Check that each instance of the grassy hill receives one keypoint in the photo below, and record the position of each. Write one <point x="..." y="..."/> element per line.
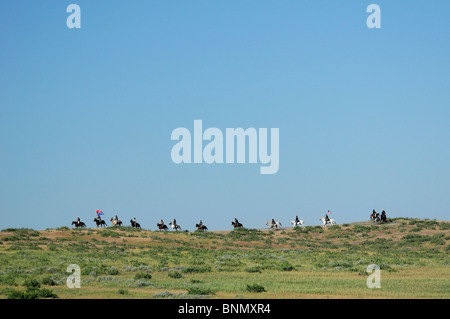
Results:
<point x="307" y="262"/>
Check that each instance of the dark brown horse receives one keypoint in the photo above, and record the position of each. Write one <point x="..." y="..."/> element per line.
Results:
<point x="236" y="224"/>
<point x="201" y="227"/>
<point x="162" y="226"/>
<point x="78" y="224"/>
<point x="100" y="222"/>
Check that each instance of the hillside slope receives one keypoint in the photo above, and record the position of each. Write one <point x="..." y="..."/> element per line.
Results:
<point x="309" y="262"/>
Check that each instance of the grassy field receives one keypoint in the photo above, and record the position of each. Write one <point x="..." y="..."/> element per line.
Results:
<point x="308" y="262"/>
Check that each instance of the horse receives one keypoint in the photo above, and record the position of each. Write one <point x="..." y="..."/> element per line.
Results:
<point x="236" y="224"/>
<point x="201" y="227"/>
<point x="276" y="225"/>
<point x="78" y="224"/>
<point x="161" y="226"/>
<point x="100" y="222"/>
<point x="116" y="222"/>
<point x="174" y="226"/>
<point x="375" y="217"/>
<point x="135" y="224"/>
<point x="299" y="223"/>
<point x="330" y="221"/>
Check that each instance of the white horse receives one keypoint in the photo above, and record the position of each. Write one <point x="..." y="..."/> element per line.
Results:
<point x="299" y="223"/>
<point x="331" y="221"/>
<point x="174" y="226"/>
<point x="277" y="224"/>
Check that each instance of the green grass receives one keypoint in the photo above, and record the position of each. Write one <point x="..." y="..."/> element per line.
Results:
<point x="311" y="262"/>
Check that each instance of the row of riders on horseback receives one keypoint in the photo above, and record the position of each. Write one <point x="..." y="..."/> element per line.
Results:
<point x="116" y="221"/>
<point x="161" y="225"/>
<point x="375" y="217"/>
<point x="101" y="223"/>
<point x="174" y="226"/>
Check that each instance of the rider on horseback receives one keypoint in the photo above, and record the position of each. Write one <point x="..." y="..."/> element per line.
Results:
<point x="383" y="215"/>
<point x="327" y="219"/>
<point x="236" y="223"/>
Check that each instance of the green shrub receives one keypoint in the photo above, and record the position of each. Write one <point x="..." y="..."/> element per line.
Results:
<point x="113" y="271"/>
<point x="32" y="284"/>
<point x="175" y="274"/>
<point x="245" y="234"/>
<point x="430" y="224"/>
<point x="123" y="291"/>
<point x="109" y="233"/>
<point x="416" y="238"/>
<point x="253" y="269"/>
<point x="255" y="288"/>
<point x="196" y="269"/>
<point x="200" y="291"/>
<point x="33" y="291"/>
<point x="9" y="280"/>
<point x="361" y="229"/>
<point x="310" y="229"/>
<point x="142" y="276"/>
<point x="285" y="266"/>
<point x="46" y="293"/>
<point x="15" y="294"/>
<point x="49" y="281"/>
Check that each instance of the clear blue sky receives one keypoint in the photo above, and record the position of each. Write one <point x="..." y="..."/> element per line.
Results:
<point x="86" y="114"/>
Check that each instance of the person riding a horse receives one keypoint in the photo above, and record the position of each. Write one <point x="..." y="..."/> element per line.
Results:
<point x="134" y="223"/>
<point x="273" y="222"/>
<point x="236" y="223"/>
<point x="297" y="220"/>
<point x="383" y="216"/>
<point x="78" y="223"/>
